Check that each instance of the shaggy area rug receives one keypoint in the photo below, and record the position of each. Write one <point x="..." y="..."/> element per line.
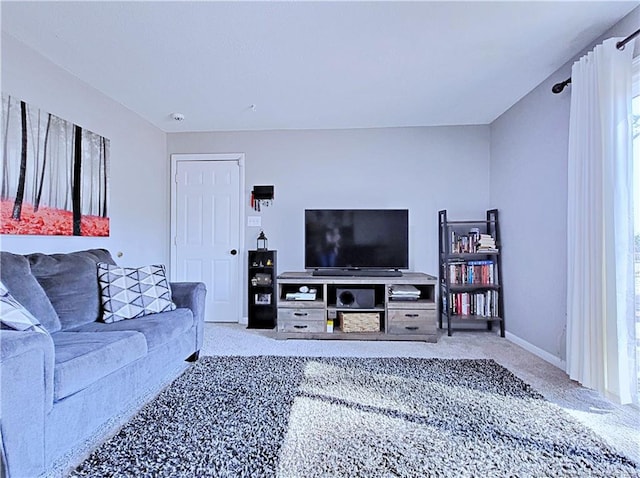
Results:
<point x="352" y="417"/>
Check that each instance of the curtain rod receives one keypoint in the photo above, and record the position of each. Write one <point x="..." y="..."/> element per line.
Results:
<point x="558" y="87"/>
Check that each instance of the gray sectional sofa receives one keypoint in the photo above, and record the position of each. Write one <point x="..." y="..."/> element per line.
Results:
<point x="59" y="387"/>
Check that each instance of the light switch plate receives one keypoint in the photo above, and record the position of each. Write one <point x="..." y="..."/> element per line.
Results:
<point x="254" y="221"/>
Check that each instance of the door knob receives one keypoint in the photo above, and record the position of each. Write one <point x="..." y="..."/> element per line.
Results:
<point x="233" y="252"/>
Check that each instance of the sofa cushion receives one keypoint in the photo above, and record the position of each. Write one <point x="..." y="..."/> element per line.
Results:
<point x="129" y="293"/>
<point x="82" y="358"/>
<point x="71" y="283"/>
<point x="14" y="316"/>
<point x="158" y="329"/>
<point x="15" y="273"/>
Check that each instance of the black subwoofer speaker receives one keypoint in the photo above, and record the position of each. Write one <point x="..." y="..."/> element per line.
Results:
<point x="356" y="298"/>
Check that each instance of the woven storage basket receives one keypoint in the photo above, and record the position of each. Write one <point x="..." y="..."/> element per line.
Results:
<point x="360" y="321"/>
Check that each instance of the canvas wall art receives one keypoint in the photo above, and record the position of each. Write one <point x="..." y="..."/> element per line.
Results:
<point x="54" y="178"/>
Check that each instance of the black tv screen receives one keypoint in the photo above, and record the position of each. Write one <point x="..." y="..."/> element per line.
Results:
<point x="356" y="238"/>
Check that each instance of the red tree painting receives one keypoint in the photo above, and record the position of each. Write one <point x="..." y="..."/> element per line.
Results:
<point x="54" y="178"/>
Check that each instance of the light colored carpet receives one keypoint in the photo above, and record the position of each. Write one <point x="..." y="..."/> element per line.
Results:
<point x="617" y="425"/>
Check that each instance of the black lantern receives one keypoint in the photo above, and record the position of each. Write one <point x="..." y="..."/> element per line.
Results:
<point x="262" y="242"/>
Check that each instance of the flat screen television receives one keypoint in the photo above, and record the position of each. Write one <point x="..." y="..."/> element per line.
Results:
<point x="356" y="238"/>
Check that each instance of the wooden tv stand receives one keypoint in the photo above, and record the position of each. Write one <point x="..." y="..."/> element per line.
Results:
<point x="397" y="319"/>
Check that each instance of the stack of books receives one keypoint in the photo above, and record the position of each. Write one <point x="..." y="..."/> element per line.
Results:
<point x="403" y="292"/>
<point x="471" y="272"/>
<point x="486" y="243"/>
<point x="310" y="294"/>
<point x="473" y="242"/>
<point x="483" y="304"/>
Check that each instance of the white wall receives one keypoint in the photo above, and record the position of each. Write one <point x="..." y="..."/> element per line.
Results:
<point x="528" y="182"/>
<point x="518" y="165"/>
<point x="139" y="184"/>
<point x="422" y="169"/>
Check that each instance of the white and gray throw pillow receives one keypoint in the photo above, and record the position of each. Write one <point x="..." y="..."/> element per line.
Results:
<point x="128" y="293"/>
<point x="14" y="316"/>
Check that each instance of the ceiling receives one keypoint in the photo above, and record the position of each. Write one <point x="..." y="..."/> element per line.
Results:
<point x="308" y="65"/>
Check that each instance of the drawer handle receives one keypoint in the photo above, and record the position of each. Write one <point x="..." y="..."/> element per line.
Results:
<point x="412" y="327"/>
<point x="412" y="315"/>
<point x="299" y="326"/>
<point x="300" y="314"/>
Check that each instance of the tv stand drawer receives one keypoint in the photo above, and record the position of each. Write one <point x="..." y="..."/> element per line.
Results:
<point x="301" y="314"/>
<point x="412" y="322"/>
<point x="302" y="326"/>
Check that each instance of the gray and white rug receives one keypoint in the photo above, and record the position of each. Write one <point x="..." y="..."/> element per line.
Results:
<point x="352" y="417"/>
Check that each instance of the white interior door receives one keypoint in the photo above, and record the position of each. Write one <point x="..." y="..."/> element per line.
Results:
<point x="206" y="228"/>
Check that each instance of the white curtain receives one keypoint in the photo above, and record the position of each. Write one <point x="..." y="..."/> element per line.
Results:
<point x="600" y="287"/>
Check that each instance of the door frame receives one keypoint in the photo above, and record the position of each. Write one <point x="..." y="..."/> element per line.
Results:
<point x="239" y="159"/>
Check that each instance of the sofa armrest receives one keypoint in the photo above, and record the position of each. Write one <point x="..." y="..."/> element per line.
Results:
<point x="26" y="396"/>
<point x="192" y="295"/>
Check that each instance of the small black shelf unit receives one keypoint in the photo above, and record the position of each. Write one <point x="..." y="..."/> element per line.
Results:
<point x="470" y="271"/>
<point x="262" y="289"/>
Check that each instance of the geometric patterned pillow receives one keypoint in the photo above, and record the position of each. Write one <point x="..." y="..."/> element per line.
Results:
<point x="14" y="316"/>
<point x="128" y="293"/>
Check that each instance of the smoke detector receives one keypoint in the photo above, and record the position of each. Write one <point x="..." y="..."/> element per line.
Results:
<point x="177" y="116"/>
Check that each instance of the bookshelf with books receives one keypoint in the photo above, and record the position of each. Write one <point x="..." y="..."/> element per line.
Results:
<point x="470" y="272"/>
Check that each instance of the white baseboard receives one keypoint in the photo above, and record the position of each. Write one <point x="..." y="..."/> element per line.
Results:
<point x="543" y="354"/>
